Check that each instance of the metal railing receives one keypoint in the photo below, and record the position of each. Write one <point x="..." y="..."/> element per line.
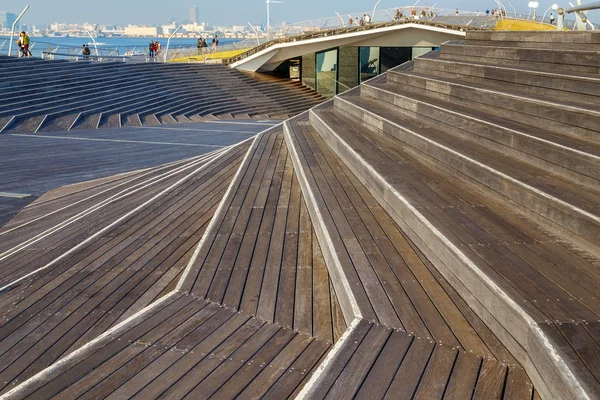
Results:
<point x="194" y="51"/>
<point x="345" y="30"/>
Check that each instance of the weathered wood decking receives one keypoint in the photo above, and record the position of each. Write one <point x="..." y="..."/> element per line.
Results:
<point x="60" y="292"/>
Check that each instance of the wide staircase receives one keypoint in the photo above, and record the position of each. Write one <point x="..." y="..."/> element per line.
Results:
<point x="486" y="155"/>
<point x="39" y="96"/>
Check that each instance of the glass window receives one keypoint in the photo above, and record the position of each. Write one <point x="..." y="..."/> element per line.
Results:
<point x="368" y="62"/>
<point x="327" y="72"/>
<point x="419" y="51"/>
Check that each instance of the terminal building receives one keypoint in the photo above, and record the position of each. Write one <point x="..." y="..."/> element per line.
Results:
<point x="333" y="64"/>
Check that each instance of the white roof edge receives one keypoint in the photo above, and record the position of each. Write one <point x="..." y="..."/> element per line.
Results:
<point x="345" y="36"/>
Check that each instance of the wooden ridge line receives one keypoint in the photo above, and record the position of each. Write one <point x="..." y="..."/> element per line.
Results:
<point x="49" y="372"/>
<point x="319" y="224"/>
<point x="221" y="208"/>
<point x="148" y="171"/>
<point x="538" y="333"/>
<point x="124" y="217"/>
<point x="119" y="196"/>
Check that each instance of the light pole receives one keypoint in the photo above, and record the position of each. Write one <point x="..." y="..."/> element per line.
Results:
<point x="169" y="42"/>
<point x="532" y="7"/>
<point x="374" y="8"/>
<point x="12" y="32"/>
<point x="554" y="7"/>
<point x="93" y="40"/>
<point x="269" y="15"/>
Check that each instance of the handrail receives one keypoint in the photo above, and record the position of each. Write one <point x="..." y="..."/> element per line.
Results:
<point x="585" y="7"/>
<point x="340" y="31"/>
<point x="81" y="56"/>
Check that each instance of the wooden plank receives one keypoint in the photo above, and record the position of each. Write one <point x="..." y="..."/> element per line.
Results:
<point x="435" y="379"/>
<point x="518" y="385"/>
<point x="464" y="377"/>
<point x="337" y="317"/>
<point x="133" y="358"/>
<point x="381" y="374"/>
<point x="307" y="160"/>
<point x="355" y="372"/>
<point x="492" y="377"/>
<point x="269" y="374"/>
<point x="137" y="329"/>
<point x="584" y="345"/>
<point x="270" y="284"/>
<point x="303" y="307"/>
<point x="340" y="360"/>
<point x="285" y="304"/>
<point x="322" y="312"/>
<point x="251" y="370"/>
<point x="292" y="379"/>
<point x="221" y="279"/>
<point x="408" y="376"/>
<point x="159" y="377"/>
<point x="220" y="370"/>
<point x="251" y="290"/>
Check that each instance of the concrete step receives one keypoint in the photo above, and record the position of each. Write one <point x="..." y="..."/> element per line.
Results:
<point x="559" y="154"/>
<point x="569" y="210"/>
<point x="406" y="187"/>
<point x="570" y="61"/>
<point x="554" y="116"/>
<point x="546" y="85"/>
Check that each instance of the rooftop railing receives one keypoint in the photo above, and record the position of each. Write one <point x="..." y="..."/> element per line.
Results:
<point x="352" y="29"/>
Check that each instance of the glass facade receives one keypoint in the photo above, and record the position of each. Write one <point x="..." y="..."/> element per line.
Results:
<point x="327" y="72"/>
<point x="369" y="63"/>
<point x="340" y="69"/>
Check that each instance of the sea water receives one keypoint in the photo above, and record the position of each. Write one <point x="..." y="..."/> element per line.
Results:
<point x="121" y="45"/>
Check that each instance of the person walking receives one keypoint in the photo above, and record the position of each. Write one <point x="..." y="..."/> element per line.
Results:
<point x="25" y="44"/>
<point x="350" y="21"/>
<point x="204" y="46"/>
<point x="367" y="19"/>
<point x="199" y="45"/>
<point x="157" y="49"/>
<point x="552" y="18"/>
<point x="151" y="49"/>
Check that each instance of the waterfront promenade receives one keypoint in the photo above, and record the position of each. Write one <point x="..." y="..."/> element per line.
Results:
<point x="433" y="233"/>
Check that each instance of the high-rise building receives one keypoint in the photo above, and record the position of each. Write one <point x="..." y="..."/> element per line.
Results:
<point x="195" y="15"/>
<point x="7" y="19"/>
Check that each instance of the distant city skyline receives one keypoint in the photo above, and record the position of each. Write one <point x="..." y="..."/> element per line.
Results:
<point x="223" y="12"/>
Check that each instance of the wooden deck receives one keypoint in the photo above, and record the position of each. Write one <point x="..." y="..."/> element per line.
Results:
<point x="381" y="363"/>
<point x="65" y="284"/>
<point x="188" y="348"/>
<point x="262" y="255"/>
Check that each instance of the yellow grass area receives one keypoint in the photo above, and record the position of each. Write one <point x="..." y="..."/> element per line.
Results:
<point x="212" y="56"/>
<point x="520" y="25"/>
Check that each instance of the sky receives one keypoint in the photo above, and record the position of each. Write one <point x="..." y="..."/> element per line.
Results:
<point x="219" y="12"/>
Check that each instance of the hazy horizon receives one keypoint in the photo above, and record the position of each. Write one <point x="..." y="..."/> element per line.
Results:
<point x="223" y="12"/>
